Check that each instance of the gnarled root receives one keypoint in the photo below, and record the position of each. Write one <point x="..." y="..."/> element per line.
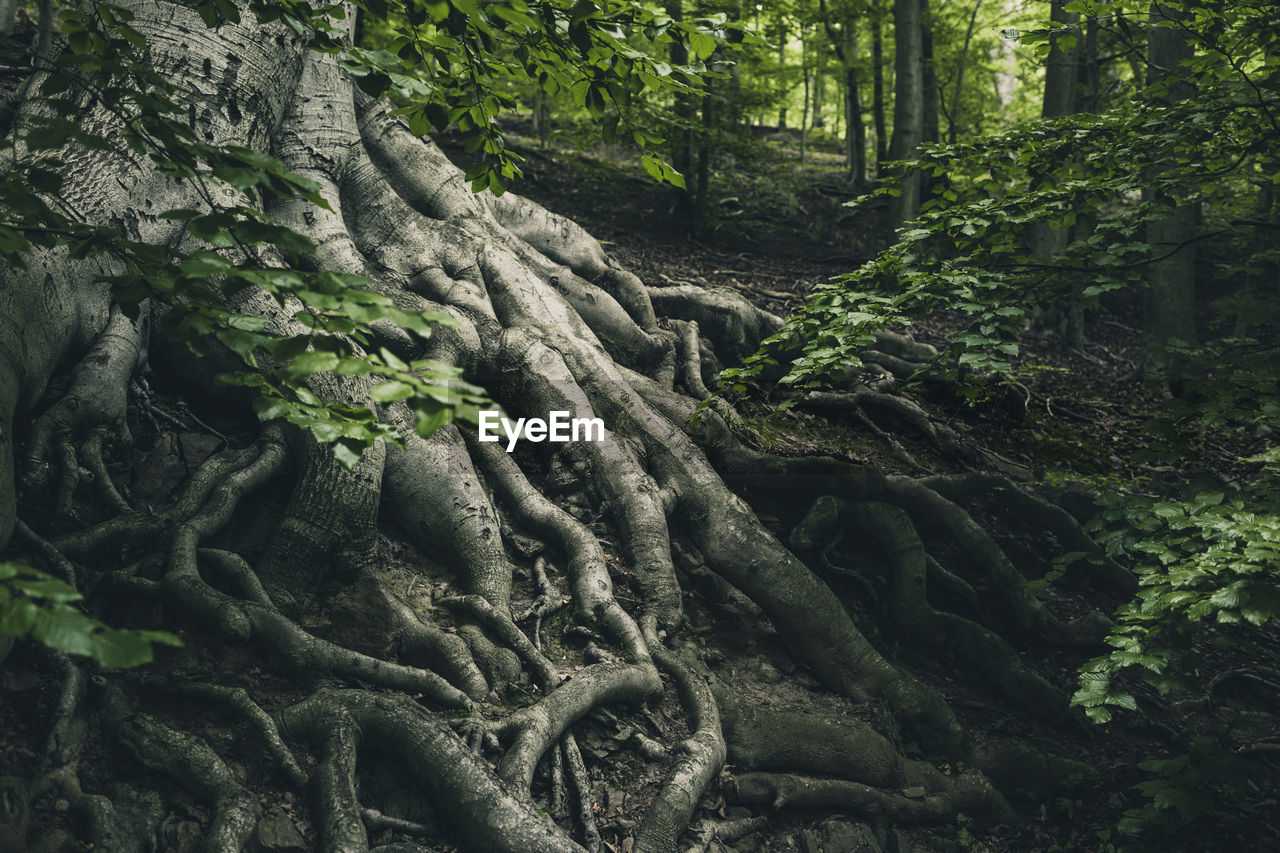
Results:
<point x="486" y="815"/>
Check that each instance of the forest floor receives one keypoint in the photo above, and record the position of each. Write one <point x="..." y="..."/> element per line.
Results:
<point x="778" y="230"/>
<point x="1065" y="415"/>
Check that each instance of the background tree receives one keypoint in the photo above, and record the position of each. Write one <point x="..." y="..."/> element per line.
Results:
<point x="843" y="34"/>
<point x="908" y="104"/>
<point x="1170" y="301"/>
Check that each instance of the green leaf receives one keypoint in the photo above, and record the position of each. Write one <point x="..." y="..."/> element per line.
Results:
<point x="388" y="392"/>
<point x="312" y="362"/>
<point x="347" y="453"/>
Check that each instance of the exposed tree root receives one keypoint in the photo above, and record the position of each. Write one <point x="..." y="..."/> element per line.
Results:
<point x="970" y="793"/>
<point x="547" y="321"/>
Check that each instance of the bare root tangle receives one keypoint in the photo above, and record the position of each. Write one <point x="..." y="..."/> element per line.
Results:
<point x="466" y="703"/>
<point x="189" y="761"/>
<point x="699" y="759"/>
<point x="486" y="815"/>
<point x="1039" y="512"/>
<point x="883" y="413"/>
<point x="1029" y="612"/>
<point x="978" y="648"/>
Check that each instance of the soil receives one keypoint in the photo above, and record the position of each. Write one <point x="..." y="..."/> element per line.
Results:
<point x="775" y="235"/>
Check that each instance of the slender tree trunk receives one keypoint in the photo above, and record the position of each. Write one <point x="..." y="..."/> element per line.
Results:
<point x="930" y="131"/>
<point x="953" y="123"/>
<point x="877" y="84"/>
<point x="819" y="95"/>
<point x="855" y="137"/>
<point x="856" y="133"/>
<point x="1169" y="307"/>
<point x="1062" y="70"/>
<point x="682" y="140"/>
<point x="804" y="103"/>
<point x="1061" y="88"/>
<point x="702" y="198"/>
<point x="542" y="115"/>
<point x="908" y="104"/>
<point x="783" y="90"/>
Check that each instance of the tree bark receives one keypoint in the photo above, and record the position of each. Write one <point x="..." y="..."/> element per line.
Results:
<point x="1169" y="304"/>
<point x="877" y="84"/>
<point x="855" y="130"/>
<point x="908" y="104"/>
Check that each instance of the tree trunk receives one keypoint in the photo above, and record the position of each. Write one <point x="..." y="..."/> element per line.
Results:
<point x="1061" y="98"/>
<point x="1169" y="305"/>
<point x="684" y="135"/>
<point x="908" y="104"/>
<point x="1062" y="70"/>
<point x="877" y="84"/>
<point x="953" y="117"/>
<point x="855" y="131"/>
<point x="929" y="86"/>
<point x="819" y="95"/>
<point x="402" y="605"/>
<point x="805" y="92"/>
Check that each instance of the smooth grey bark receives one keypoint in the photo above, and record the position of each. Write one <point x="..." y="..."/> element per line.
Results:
<point x="1061" y="98"/>
<point x="1062" y="66"/>
<point x="908" y="104"/>
<point x="877" y="84"/>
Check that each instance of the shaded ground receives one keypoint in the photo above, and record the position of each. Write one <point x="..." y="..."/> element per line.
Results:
<point x="1071" y="413"/>
<point x="1068" y="414"/>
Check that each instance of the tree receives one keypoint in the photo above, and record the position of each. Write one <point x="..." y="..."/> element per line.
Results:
<point x="1169" y="316"/>
<point x="1061" y="98"/>
<point x="184" y="250"/>
<point x="844" y="41"/>
<point x="908" y="103"/>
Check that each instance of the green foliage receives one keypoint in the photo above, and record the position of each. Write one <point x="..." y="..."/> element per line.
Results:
<point x="444" y="62"/>
<point x="1207" y="558"/>
<point x="1213" y="558"/>
<point x="1208" y="564"/>
<point x="463" y="62"/>
<point x="970" y="249"/>
<point x="37" y="605"/>
<point x="1189" y="785"/>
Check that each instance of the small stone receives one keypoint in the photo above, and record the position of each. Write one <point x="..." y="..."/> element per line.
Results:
<point x="614" y="799"/>
<point x="275" y="832"/>
<point x="840" y="836"/>
<point x="769" y="673"/>
<point x="916" y="792"/>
